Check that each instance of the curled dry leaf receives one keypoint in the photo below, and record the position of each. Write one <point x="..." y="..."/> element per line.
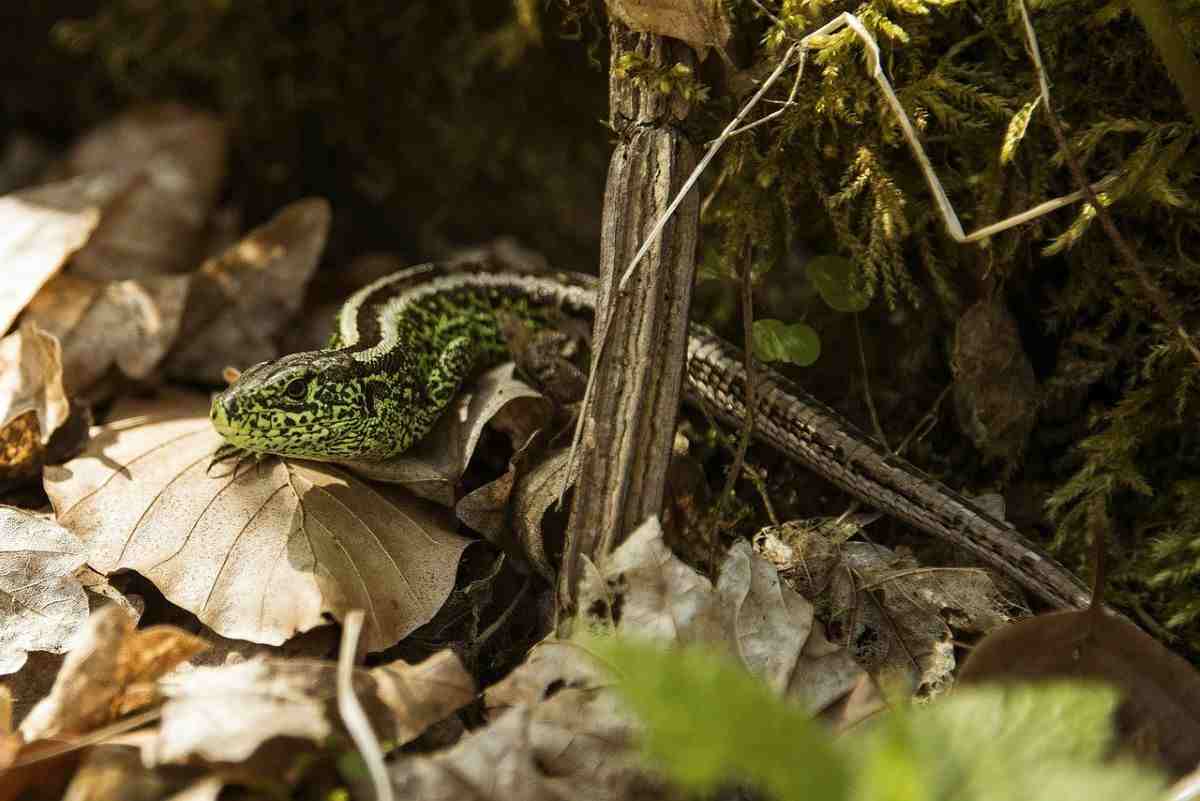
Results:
<point x="485" y="509"/>
<point x="260" y="553"/>
<point x="700" y="23"/>
<point x="178" y="157"/>
<point x="110" y="672"/>
<point x="225" y="714"/>
<point x="240" y="300"/>
<point x="535" y="493"/>
<point x="31" y="379"/>
<point x="130" y="324"/>
<point x="432" y="468"/>
<point x="646" y="590"/>
<point x="38" y="231"/>
<point x="44" y="605"/>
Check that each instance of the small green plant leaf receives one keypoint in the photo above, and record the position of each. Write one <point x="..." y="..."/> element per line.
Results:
<point x="708" y="721"/>
<point x="1002" y="743"/>
<point x="838" y="282"/>
<point x="777" y="341"/>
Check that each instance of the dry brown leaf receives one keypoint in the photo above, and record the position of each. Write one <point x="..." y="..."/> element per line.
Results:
<point x="130" y="324"/>
<point x="533" y="497"/>
<point x="900" y="620"/>
<point x="260" y="555"/>
<point x="575" y="745"/>
<point x="770" y="621"/>
<point x="700" y="23"/>
<point x="206" y="789"/>
<point x="241" y="300"/>
<point x="550" y="666"/>
<point x="433" y="467"/>
<point x="116" y="773"/>
<point x="37" y="235"/>
<point x="647" y="591"/>
<point x="110" y="671"/>
<point x="44" y="605"/>
<point x="225" y="714"/>
<point x="156" y="227"/>
<point x="31" y="379"/>
<point x="485" y="509"/>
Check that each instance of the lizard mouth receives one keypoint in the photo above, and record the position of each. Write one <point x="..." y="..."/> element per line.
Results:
<point x="223" y="422"/>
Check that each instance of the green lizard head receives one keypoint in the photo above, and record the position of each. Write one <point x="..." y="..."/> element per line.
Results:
<point x="308" y="405"/>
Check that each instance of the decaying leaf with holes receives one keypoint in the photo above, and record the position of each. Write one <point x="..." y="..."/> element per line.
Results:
<point x="899" y="619"/>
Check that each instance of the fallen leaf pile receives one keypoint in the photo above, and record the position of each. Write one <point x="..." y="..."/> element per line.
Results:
<point x="178" y="627"/>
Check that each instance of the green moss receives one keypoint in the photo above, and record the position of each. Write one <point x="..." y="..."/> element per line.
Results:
<point x="1121" y="397"/>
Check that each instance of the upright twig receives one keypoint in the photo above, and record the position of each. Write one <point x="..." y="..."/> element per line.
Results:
<point x="747" y="302"/>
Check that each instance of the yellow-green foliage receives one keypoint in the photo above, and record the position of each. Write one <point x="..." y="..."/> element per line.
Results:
<point x="707" y="723"/>
<point x="1121" y="389"/>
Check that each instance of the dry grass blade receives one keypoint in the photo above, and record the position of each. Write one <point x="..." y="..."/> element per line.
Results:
<point x="353" y="716"/>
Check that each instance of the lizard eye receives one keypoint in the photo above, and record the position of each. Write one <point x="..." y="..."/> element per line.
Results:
<point x="296" y="389"/>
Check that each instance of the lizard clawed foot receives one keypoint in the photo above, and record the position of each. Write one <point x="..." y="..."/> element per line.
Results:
<point x="227" y="452"/>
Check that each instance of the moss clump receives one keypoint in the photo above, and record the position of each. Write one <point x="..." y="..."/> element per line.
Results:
<point x="1119" y="385"/>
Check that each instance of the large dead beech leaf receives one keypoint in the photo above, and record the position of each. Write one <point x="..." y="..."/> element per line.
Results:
<point x="43" y="604"/>
<point x="31" y="379"/>
<point x="263" y="554"/>
<point x="700" y="23"/>
<point x="130" y="324"/>
<point x="433" y="468"/>
<point x="240" y="300"/>
<point x="110" y="672"/>
<point x="178" y="156"/>
<point x="645" y="590"/>
<point x="224" y="714"/>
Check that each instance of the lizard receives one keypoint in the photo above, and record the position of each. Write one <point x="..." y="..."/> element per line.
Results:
<point x="404" y="344"/>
